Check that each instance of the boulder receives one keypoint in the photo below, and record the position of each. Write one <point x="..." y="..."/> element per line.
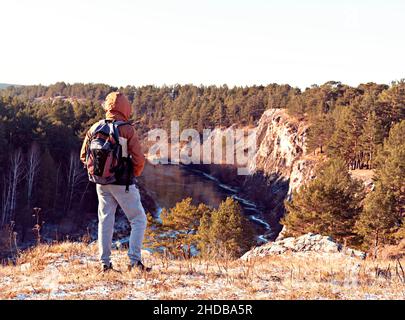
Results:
<point x="308" y="243"/>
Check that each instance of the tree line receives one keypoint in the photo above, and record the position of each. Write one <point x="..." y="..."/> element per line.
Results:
<point x="346" y="122"/>
<point x="352" y="123"/>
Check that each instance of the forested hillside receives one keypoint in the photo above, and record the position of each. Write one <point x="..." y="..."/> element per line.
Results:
<point x="41" y="128"/>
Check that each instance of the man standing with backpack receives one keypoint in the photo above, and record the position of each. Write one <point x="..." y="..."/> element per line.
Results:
<point x="113" y="157"/>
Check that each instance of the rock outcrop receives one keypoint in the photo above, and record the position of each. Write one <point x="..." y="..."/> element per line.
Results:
<point x="280" y="165"/>
<point x="307" y="244"/>
<point x="281" y="152"/>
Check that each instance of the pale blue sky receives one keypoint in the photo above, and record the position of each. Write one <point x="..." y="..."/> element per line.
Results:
<point x="202" y="42"/>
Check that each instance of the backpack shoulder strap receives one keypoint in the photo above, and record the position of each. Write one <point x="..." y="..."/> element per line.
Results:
<point x="97" y="129"/>
<point x="117" y="124"/>
<point x="120" y="123"/>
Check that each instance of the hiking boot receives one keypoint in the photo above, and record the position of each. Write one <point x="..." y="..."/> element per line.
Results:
<point x="107" y="267"/>
<point x="139" y="266"/>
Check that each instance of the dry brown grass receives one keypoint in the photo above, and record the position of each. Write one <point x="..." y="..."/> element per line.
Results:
<point x="71" y="271"/>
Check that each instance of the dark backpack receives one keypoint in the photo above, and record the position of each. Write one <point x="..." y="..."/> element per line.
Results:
<point x="104" y="152"/>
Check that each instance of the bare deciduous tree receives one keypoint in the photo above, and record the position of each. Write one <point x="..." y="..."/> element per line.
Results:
<point x="33" y="165"/>
<point x="5" y="201"/>
<point x="16" y="175"/>
<point x="10" y="192"/>
<point x="76" y="176"/>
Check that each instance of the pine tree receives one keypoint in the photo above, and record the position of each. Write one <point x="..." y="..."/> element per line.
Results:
<point x="391" y="105"/>
<point x="296" y="107"/>
<point x="377" y="219"/>
<point x="384" y="208"/>
<point x="226" y="231"/>
<point x="357" y="133"/>
<point x="327" y="205"/>
<point x="371" y="138"/>
<point x="179" y="226"/>
<point x="341" y="144"/>
<point x="184" y="216"/>
<point x="320" y="132"/>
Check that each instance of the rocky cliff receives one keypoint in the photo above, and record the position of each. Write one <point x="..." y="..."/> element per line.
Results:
<point x="281" y="163"/>
<point x="282" y="152"/>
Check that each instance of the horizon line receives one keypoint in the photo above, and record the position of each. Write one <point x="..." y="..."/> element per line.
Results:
<point x="201" y="84"/>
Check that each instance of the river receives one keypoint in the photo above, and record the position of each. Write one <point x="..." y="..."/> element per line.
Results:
<point x="169" y="184"/>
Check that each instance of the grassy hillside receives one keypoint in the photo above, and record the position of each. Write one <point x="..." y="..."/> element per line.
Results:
<point x="70" y="271"/>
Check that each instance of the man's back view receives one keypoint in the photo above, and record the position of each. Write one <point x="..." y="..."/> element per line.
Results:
<point x="121" y="189"/>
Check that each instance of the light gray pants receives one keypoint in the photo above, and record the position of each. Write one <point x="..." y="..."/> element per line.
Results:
<point x="109" y="197"/>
